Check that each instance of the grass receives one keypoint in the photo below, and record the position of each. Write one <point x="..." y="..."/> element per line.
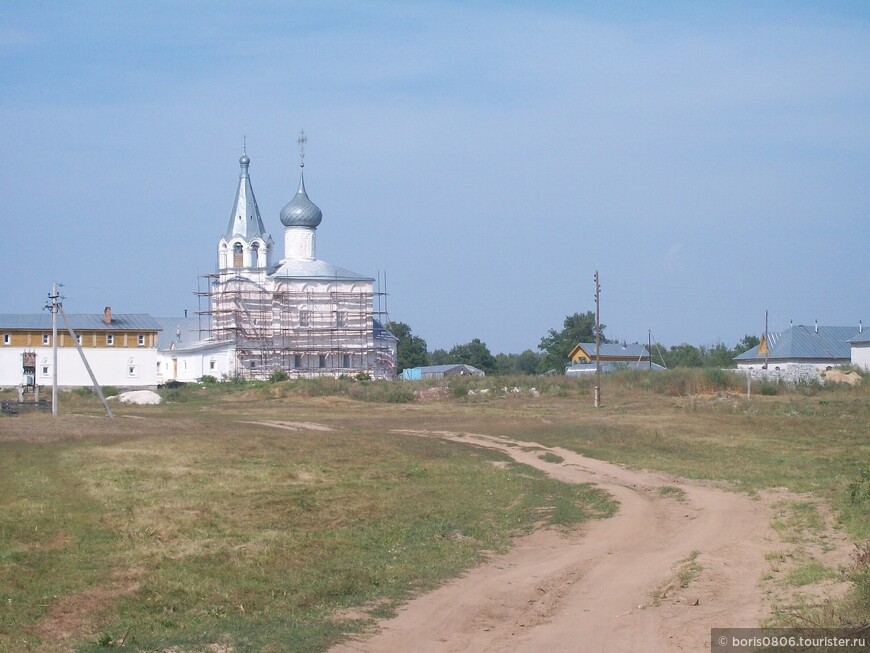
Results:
<point x="689" y="569"/>
<point x="180" y="526"/>
<point x="810" y="573"/>
<point x="672" y="492"/>
<point x="197" y="531"/>
<point x="685" y="571"/>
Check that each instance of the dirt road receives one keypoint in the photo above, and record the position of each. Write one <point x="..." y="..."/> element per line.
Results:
<point x="656" y="577"/>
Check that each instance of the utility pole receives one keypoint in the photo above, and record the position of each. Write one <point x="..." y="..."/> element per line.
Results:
<point x="53" y="307"/>
<point x="597" y="342"/>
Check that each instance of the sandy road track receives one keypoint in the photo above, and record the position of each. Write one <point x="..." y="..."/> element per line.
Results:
<point x="613" y="586"/>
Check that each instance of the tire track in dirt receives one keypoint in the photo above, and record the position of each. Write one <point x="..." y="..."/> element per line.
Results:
<point x="613" y="585"/>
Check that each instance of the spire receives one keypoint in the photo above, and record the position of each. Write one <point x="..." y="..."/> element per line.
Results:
<point x="245" y="220"/>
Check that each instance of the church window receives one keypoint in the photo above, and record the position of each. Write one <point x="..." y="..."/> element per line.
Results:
<point x="321" y="360"/>
<point x="238" y="256"/>
<point x="345" y="360"/>
<point x="304" y="318"/>
<point x="340" y="319"/>
<point x="255" y="255"/>
<point x="297" y="361"/>
<point x="212" y="364"/>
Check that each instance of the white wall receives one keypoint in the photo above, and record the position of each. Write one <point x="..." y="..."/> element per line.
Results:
<point x="120" y="367"/>
<point x="861" y="354"/>
<point x="192" y="365"/>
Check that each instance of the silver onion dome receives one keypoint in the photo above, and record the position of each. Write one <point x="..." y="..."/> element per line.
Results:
<point x="301" y="211"/>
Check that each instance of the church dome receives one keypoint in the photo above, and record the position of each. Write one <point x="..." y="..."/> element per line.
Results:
<point x="301" y="211"/>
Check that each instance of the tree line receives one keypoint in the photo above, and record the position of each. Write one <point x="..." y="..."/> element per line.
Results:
<point x="552" y="351"/>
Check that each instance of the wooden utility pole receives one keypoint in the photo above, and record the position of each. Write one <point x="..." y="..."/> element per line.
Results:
<point x="597" y="342"/>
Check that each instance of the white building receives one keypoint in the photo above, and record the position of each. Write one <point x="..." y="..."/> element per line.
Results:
<point x="121" y="350"/>
<point x="860" y="345"/>
<point x="801" y="352"/>
<point x="301" y="315"/>
<point x="183" y="355"/>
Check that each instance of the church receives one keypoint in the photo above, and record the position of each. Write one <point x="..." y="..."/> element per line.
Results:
<point x="299" y="315"/>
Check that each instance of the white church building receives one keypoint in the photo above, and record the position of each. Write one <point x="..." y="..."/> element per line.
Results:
<point x="300" y="314"/>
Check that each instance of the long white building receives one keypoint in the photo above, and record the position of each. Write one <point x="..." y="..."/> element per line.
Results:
<point x="121" y="350"/>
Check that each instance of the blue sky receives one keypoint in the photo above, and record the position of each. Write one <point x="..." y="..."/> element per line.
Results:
<point x="710" y="160"/>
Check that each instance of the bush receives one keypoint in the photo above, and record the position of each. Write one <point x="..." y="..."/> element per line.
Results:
<point x="208" y="379"/>
<point x="277" y="376"/>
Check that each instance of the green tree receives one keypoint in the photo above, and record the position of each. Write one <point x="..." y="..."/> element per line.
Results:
<point x="411" y="348"/>
<point x="746" y="343"/>
<point x="718" y="356"/>
<point x="684" y="355"/>
<point x="474" y="353"/>
<point x="556" y="345"/>
<point x="528" y="362"/>
<point x="439" y="357"/>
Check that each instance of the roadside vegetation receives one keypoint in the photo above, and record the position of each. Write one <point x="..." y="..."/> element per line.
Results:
<point x="552" y="351"/>
<point x="186" y="526"/>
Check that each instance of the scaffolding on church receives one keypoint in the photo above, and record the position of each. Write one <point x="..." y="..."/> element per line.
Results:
<point x="303" y="333"/>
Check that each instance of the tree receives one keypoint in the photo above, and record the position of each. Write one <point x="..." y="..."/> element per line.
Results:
<point x="717" y="356"/>
<point x="747" y="343"/>
<point x="684" y="355"/>
<point x="474" y="353"/>
<point x="556" y="345"/>
<point x="528" y="362"/>
<point x="411" y="348"/>
<point x="439" y="357"/>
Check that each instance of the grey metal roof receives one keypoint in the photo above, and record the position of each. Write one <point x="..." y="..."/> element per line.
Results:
<point x="181" y="330"/>
<point x="805" y="342"/>
<point x="611" y="366"/>
<point x="301" y="211"/>
<point x="314" y="269"/>
<point x="616" y="350"/>
<point x="245" y="218"/>
<point x="862" y="337"/>
<point x="435" y="369"/>
<point x="80" y="321"/>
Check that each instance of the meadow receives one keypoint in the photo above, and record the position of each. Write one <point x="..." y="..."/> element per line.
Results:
<point x="193" y="526"/>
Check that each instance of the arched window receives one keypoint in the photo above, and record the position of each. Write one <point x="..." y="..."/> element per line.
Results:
<point x="255" y="255"/>
<point x="238" y="256"/>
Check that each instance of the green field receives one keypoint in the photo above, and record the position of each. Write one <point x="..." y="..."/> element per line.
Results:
<point x="184" y="526"/>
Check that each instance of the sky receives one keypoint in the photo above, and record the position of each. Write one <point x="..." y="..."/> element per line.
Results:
<point x="709" y="160"/>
